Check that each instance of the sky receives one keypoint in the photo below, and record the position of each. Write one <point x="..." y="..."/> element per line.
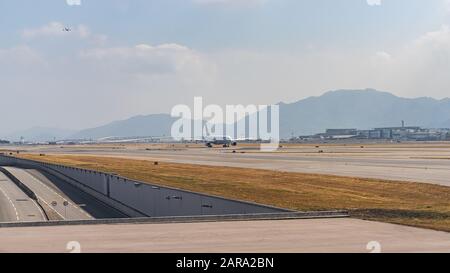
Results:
<point x="138" y="57"/>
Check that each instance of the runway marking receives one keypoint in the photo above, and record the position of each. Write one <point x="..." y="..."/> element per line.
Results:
<point x="12" y="204"/>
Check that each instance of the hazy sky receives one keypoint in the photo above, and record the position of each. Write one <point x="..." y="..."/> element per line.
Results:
<point x="129" y="57"/>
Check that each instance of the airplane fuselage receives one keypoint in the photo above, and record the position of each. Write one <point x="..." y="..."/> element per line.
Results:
<point x="224" y="141"/>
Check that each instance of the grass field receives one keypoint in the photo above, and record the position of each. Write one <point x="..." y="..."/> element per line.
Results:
<point x="414" y="204"/>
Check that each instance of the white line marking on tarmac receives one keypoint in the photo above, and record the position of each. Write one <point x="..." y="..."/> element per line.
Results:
<point x="64" y="199"/>
<point x="12" y="204"/>
<point x="51" y="207"/>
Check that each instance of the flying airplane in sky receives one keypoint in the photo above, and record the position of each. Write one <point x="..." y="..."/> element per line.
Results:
<point x="66" y="29"/>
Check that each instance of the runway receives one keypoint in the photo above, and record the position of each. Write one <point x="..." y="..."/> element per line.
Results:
<point x="297" y="236"/>
<point x="415" y="162"/>
<point x="15" y="205"/>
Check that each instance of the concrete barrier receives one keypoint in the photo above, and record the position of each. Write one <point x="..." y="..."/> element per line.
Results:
<point x="19" y="184"/>
<point x="123" y="208"/>
<point x="189" y="219"/>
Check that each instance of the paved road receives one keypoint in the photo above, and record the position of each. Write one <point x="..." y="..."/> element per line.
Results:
<point x="49" y="188"/>
<point x="324" y="235"/>
<point x="15" y="205"/>
<point x="48" y="195"/>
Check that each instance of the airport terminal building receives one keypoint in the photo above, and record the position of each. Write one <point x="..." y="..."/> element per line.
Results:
<point x="403" y="133"/>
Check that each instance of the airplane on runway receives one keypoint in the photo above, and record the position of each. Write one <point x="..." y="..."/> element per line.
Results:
<point x="225" y="141"/>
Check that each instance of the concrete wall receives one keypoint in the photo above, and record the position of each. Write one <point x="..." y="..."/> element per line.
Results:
<point x="138" y="199"/>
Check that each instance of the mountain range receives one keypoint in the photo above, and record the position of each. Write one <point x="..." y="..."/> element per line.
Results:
<point x="40" y="134"/>
<point x="361" y="109"/>
<point x="150" y="125"/>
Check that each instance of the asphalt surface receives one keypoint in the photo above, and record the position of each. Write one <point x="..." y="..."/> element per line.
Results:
<point x="419" y="163"/>
<point x="415" y="161"/>
<point x="297" y="236"/>
<point x="427" y="163"/>
<point x="53" y="192"/>
<point x="15" y="205"/>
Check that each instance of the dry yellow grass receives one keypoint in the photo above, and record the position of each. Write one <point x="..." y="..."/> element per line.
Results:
<point x="415" y="204"/>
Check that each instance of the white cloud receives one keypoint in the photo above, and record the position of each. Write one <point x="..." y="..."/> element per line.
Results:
<point x="439" y="39"/>
<point x="73" y="2"/>
<point x="447" y="5"/>
<point x="417" y="68"/>
<point x="374" y="2"/>
<point x="20" y="56"/>
<point x="56" y="29"/>
<point x="231" y="2"/>
<point x="426" y="63"/>
<point x="100" y="84"/>
<point x="383" y="56"/>
<point x="148" y="60"/>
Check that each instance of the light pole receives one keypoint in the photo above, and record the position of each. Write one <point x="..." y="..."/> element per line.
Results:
<point x="65" y="203"/>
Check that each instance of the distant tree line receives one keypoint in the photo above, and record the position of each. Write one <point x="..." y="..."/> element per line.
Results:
<point x="4" y="141"/>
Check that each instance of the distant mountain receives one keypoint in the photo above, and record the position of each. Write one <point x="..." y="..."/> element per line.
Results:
<point x="38" y="134"/>
<point x="151" y="125"/>
<point x="361" y="109"/>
